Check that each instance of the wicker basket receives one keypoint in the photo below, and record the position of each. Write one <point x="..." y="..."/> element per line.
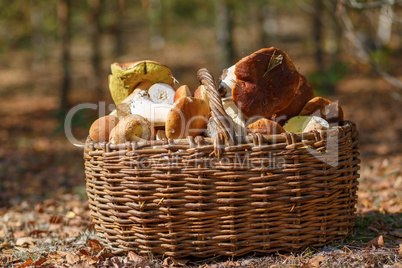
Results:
<point x="225" y="196"/>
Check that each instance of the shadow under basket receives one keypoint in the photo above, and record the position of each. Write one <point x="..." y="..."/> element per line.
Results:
<point x="224" y="196"/>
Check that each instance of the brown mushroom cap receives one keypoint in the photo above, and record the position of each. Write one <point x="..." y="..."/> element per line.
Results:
<point x="324" y="108"/>
<point x="101" y="127"/>
<point x="266" y="126"/>
<point x="188" y="117"/>
<point x="131" y="128"/>
<point x="265" y="82"/>
<point x="303" y="94"/>
<point x="182" y="92"/>
<point x="201" y="93"/>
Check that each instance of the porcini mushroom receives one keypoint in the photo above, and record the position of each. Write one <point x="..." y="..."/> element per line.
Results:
<point x="303" y="93"/>
<point x="154" y="112"/>
<point x="265" y="126"/>
<point x="182" y="92"/>
<point x="101" y="128"/>
<point x="211" y="128"/>
<point x="236" y="115"/>
<point x="228" y="79"/>
<point x="123" y="108"/>
<point x="188" y="117"/>
<point x="131" y="128"/>
<point x="201" y="93"/>
<point x="126" y="76"/>
<point x="324" y="108"/>
<point x="161" y="93"/>
<point x="316" y="123"/>
<point x="264" y="82"/>
<point x="160" y="135"/>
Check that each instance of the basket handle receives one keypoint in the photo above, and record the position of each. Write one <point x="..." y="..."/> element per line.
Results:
<point x="224" y="124"/>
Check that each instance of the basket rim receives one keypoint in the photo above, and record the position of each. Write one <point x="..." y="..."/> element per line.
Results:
<point x="345" y="126"/>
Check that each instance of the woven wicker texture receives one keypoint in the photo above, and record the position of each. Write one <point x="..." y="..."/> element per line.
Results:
<point x="202" y="197"/>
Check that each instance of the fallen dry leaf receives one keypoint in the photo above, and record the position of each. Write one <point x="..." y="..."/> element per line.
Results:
<point x="316" y="261"/>
<point x="6" y="258"/>
<point x="171" y="262"/>
<point x="27" y="262"/>
<point x="71" y="258"/>
<point x="91" y="260"/>
<point x="19" y="233"/>
<point x="5" y="245"/>
<point x="56" y="219"/>
<point x="376" y="242"/>
<point x="25" y="241"/>
<point x="132" y="256"/>
<point x="400" y="250"/>
<point x="40" y="261"/>
<point x="3" y="230"/>
<point x="94" y="246"/>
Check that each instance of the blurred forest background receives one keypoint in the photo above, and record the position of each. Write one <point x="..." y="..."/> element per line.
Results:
<point x="56" y="54"/>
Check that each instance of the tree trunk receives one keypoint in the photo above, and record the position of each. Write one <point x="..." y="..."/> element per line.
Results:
<point x="317" y="33"/>
<point x="64" y="34"/>
<point x="37" y="36"/>
<point x="224" y="32"/>
<point x="94" y="35"/>
<point x="155" y="24"/>
<point x="118" y="9"/>
<point x="268" y="25"/>
<point x="385" y="22"/>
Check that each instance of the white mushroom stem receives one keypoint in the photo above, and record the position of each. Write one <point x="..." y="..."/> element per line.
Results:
<point x="236" y="115"/>
<point x="229" y="80"/>
<point x="316" y="123"/>
<point x="155" y="112"/>
<point x="161" y="135"/>
<point x="211" y="128"/>
<point x="161" y="93"/>
<point x="123" y="108"/>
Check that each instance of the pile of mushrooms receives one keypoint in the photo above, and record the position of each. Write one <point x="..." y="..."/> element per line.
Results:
<point x="272" y="97"/>
<point x="149" y="107"/>
<point x="262" y="93"/>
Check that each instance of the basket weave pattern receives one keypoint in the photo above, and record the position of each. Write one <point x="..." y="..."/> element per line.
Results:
<point x="266" y="193"/>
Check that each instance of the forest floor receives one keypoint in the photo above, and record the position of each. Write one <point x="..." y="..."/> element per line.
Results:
<point x="44" y="216"/>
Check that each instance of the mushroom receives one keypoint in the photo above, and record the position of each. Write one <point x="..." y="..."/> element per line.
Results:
<point x="303" y="93"/>
<point x="263" y="83"/>
<point x="265" y="126"/>
<point x="161" y="93"/>
<point x="188" y="117"/>
<point x="154" y="112"/>
<point x="324" y="108"/>
<point x="236" y="115"/>
<point x="182" y="92"/>
<point x="296" y="124"/>
<point x="160" y="135"/>
<point x="228" y="80"/>
<point x="114" y="113"/>
<point x="201" y="93"/>
<point x="126" y="76"/>
<point x="131" y="128"/>
<point x="316" y="123"/>
<point x="123" y="108"/>
<point x="211" y="128"/>
<point x="101" y="128"/>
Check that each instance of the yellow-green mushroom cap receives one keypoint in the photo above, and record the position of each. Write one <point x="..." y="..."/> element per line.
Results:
<point x="126" y="76"/>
